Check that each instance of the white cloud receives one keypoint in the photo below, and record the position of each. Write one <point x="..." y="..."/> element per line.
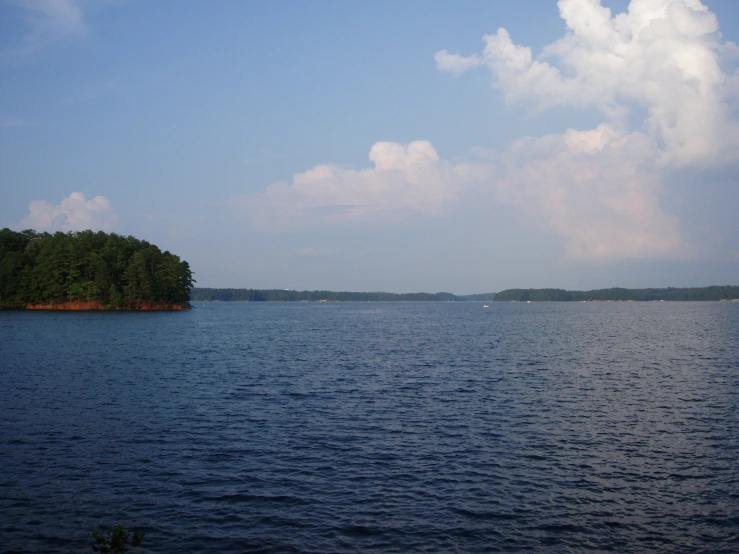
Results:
<point x="404" y="179"/>
<point x="597" y="189"/>
<point x="662" y="55"/>
<point x="50" y="20"/>
<point x="310" y="251"/>
<point x="456" y="64"/>
<point x="600" y="189"/>
<point x="9" y="122"/>
<point x="74" y="213"/>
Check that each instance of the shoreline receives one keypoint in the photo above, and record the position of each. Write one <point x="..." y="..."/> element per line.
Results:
<point x="93" y="306"/>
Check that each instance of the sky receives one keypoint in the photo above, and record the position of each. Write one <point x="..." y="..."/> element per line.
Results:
<point x="461" y="146"/>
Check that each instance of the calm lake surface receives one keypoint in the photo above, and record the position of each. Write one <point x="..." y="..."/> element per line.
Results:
<point x="391" y="427"/>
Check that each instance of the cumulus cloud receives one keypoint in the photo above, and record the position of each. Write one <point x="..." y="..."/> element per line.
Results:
<point x="404" y="179"/>
<point x="74" y="213"/>
<point x="600" y="188"/>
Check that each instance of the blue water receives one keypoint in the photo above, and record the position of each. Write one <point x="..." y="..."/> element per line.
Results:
<point x="391" y="427"/>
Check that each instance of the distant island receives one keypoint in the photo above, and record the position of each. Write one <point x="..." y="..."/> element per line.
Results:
<point x="619" y="294"/>
<point x="89" y="271"/>
<point x="511" y="295"/>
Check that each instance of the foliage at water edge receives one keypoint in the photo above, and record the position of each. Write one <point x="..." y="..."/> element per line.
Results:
<point x="116" y="271"/>
<point x="619" y="294"/>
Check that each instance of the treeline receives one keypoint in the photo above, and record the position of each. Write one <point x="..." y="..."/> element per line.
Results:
<point x="112" y="270"/>
<point x="615" y="294"/>
<point x="279" y="295"/>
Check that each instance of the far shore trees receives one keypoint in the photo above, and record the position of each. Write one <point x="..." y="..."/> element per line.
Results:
<point x="619" y="294"/>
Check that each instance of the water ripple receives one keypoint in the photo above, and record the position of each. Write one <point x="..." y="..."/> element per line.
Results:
<point x="374" y="427"/>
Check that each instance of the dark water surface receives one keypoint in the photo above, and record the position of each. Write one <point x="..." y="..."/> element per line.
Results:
<point x="391" y="427"/>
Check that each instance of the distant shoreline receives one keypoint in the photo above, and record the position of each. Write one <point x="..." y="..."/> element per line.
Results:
<point x="617" y="294"/>
<point x="199" y="294"/>
<point x="706" y="294"/>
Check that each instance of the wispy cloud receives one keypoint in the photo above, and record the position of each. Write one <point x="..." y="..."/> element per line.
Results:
<point x="49" y="21"/>
<point x="73" y="213"/>
<point x="9" y="122"/>
<point x="310" y="251"/>
<point x="600" y="189"/>
<point x="456" y="64"/>
<point x="95" y="92"/>
<point x="266" y="156"/>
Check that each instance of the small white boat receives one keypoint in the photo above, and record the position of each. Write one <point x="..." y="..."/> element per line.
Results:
<point x="485" y="306"/>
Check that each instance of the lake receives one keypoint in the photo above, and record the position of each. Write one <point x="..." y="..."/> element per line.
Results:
<point x="389" y="427"/>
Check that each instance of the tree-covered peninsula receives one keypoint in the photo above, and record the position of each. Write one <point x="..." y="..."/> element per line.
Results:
<point x="619" y="294"/>
<point x="89" y="270"/>
<point x="281" y="295"/>
<point x="510" y="295"/>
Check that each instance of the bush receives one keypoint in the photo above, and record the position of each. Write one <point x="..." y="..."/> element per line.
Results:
<point x="116" y="540"/>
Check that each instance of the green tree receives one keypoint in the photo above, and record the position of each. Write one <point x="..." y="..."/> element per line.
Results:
<point x="116" y="540"/>
<point x="114" y="270"/>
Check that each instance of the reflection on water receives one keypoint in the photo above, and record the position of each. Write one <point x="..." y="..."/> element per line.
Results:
<point x="374" y="426"/>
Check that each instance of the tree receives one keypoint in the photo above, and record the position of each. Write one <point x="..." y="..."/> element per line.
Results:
<point x="113" y="270"/>
<point x="116" y="540"/>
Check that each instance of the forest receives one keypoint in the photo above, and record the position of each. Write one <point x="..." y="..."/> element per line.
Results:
<point x="280" y="295"/>
<point x="511" y="295"/>
<point x="109" y="270"/>
<point x="618" y="294"/>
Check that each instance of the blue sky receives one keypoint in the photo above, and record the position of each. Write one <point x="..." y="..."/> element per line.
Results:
<point x="383" y="145"/>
